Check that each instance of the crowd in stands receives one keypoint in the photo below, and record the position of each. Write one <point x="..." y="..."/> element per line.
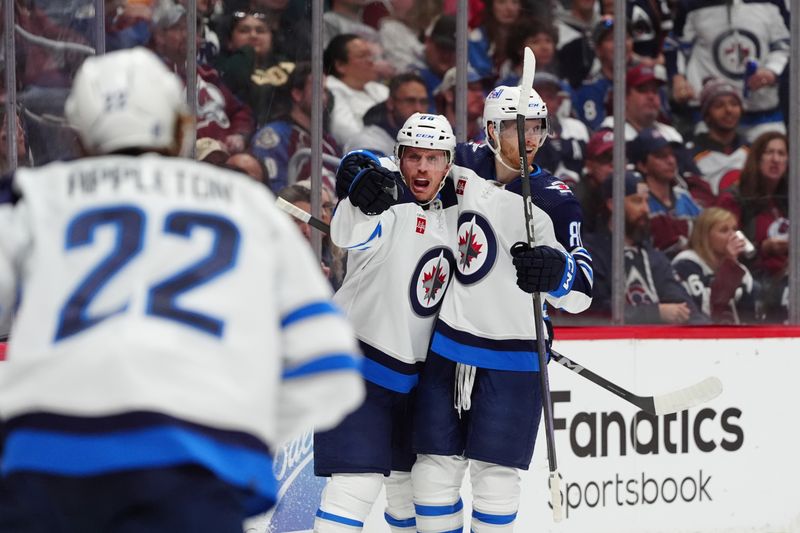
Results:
<point x="705" y="110"/>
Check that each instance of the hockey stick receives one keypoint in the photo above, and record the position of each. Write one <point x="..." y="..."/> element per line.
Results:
<point x="299" y="214"/>
<point x="554" y="481"/>
<point x="663" y="404"/>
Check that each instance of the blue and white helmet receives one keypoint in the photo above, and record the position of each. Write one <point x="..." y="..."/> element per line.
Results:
<point x="424" y="130"/>
<point x="125" y="99"/>
<point x="501" y="104"/>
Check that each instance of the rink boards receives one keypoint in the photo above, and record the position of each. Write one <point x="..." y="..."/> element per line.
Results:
<point x="729" y="466"/>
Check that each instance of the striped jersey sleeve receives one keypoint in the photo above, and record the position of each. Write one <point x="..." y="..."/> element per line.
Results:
<point x="321" y="380"/>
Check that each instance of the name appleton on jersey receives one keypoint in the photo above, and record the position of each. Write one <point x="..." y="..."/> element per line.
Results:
<point x="117" y="178"/>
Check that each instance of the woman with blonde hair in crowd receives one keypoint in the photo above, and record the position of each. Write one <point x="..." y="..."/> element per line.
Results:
<point x="720" y="285"/>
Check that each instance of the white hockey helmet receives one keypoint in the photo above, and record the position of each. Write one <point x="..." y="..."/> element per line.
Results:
<point x="125" y="99"/>
<point x="501" y="104"/>
<point x="424" y="130"/>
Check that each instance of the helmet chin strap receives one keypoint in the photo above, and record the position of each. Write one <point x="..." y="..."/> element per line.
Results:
<point x="497" y="155"/>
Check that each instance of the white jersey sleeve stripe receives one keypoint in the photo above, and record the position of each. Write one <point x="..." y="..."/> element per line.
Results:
<point x="323" y="364"/>
<point x="309" y="311"/>
<point x="376" y="233"/>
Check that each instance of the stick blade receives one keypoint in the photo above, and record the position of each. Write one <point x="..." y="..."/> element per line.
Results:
<point x="692" y="396"/>
<point x="526" y="82"/>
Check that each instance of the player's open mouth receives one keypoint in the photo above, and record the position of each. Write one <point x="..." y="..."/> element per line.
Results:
<point x="419" y="184"/>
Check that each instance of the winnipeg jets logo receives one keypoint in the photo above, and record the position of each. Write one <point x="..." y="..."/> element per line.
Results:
<point x="468" y="247"/>
<point x="433" y="281"/>
<point x="559" y="186"/>
<point x="430" y="280"/>
<point x="732" y="49"/>
<point x="477" y="248"/>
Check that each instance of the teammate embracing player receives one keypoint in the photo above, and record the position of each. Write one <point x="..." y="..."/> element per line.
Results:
<point x="483" y="348"/>
<point x="399" y="229"/>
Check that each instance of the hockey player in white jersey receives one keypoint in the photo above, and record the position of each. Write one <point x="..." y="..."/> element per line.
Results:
<point x="484" y="345"/>
<point x="173" y="327"/>
<point x="399" y="233"/>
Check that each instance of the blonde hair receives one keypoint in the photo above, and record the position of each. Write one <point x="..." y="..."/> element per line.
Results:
<point x="698" y="240"/>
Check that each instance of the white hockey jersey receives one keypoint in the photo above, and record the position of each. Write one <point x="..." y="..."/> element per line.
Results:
<point x="486" y="320"/>
<point x="399" y="266"/>
<point x="170" y="314"/>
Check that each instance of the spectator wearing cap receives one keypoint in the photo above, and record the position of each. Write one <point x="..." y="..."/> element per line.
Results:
<point x="349" y="63"/>
<point x="595" y="82"/>
<point x="440" y="52"/>
<point x="598" y="166"/>
<point x="220" y="115"/>
<point x="210" y="151"/>
<point x="345" y="17"/>
<point x="643" y="85"/>
<point x="563" y="154"/>
<point x="653" y="293"/>
<point x="486" y="46"/>
<point x="538" y="35"/>
<point x="278" y="141"/>
<point x="721" y="151"/>
<point x="672" y="208"/>
<point x="720" y="39"/>
<point x="445" y="101"/>
<point x="407" y="95"/>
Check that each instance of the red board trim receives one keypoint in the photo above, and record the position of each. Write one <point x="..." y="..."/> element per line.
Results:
<point x="674" y="332"/>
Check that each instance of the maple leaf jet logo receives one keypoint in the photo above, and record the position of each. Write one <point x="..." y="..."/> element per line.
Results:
<point x="468" y="247"/>
<point x="433" y="282"/>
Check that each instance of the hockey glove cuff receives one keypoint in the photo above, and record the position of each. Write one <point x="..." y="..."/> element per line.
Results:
<point x="374" y="190"/>
<point x="539" y="269"/>
<point x="351" y="164"/>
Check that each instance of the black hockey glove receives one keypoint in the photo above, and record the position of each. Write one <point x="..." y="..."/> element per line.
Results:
<point x="349" y="167"/>
<point x="539" y="269"/>
<point x="374" y="190"/>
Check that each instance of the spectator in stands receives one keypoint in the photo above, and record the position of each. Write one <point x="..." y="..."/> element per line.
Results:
<point x="761" y="203"/>
<point x="249" y="66"/>
<point x="488" y="43"/>
<point x="541" y="37"/>
<point x="563" y="153"/>
<point x="650" y="21"/>
<point x="598" y="166"/>
<point x="407" y="95"/>
<point x="299" y="195"/>
<point x="345" y="17"/>
<point x="349" y="63"/>
<point x="721" y="286"/>
<point x="720" y="152"/>
<point x="592" y="97"/>
<point x="653" y="293"/>
<point x="672" y="208"/>
<point x="290" y="23"/>
<point x="719" y="39"/>
<point x="127" y="24"/>
<point x="220" y="115"/>
<point x="248" y="165"/>
<point x="278" y="141"/>
<point x="445" y="100"/>
<point x="575" y="50"/>
<point x="400" y="32"/>
<point x="210" y="151"/>
<point x="440" y="53"/>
